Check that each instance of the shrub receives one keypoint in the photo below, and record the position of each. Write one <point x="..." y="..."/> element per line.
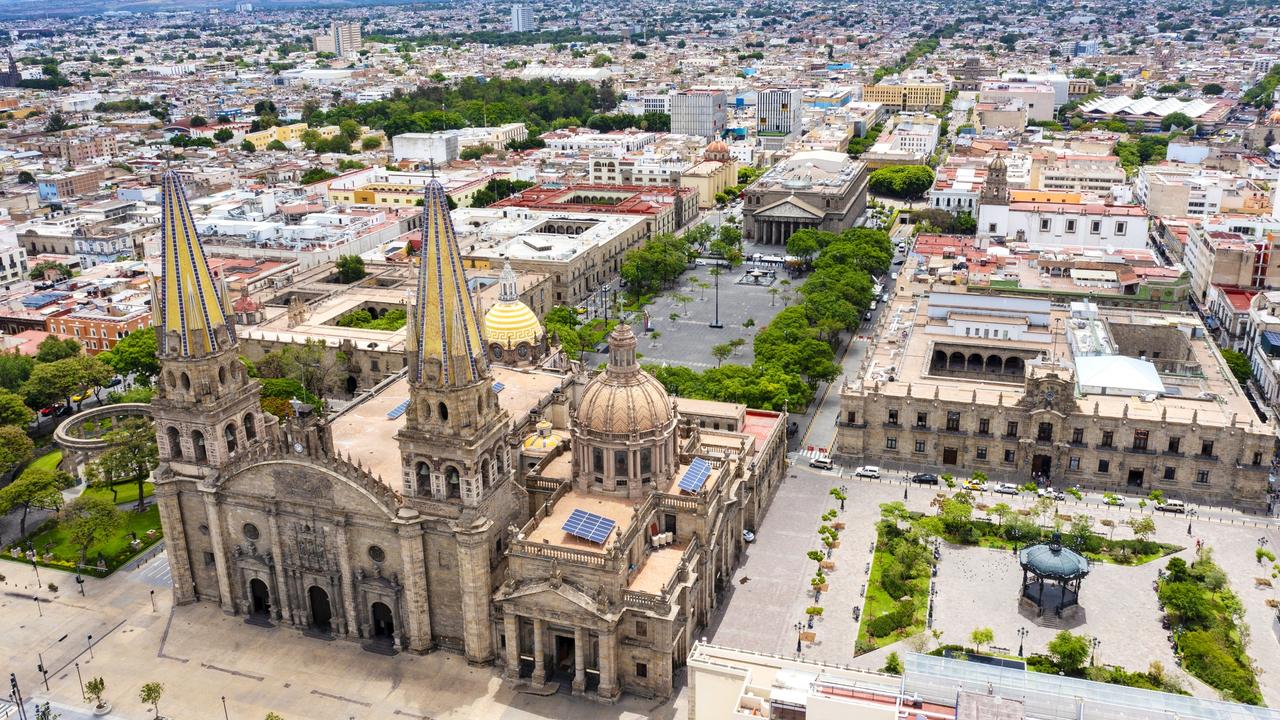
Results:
<point x="53" y="587"/>
<point x="883" y="626"/>
<point x="892" y="664"/>
<point x="1206" y="655"/>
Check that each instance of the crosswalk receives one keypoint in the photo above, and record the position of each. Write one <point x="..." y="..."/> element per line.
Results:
<point x="155" y="572"/>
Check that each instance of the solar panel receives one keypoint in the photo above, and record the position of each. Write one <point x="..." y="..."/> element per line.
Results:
<point x="696" y="476"/>
<point x="589" y="526"/>
<point x="497" y="387"/>
<point x="398" y="410"/>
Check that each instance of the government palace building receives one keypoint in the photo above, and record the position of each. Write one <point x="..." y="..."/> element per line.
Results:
<point x="490" y="498"/>
<point x="1064" y="394"/>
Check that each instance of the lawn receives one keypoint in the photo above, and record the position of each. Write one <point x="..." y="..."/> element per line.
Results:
<point x="125" y="492"/>
<point x="57" y="552"/>
<point x="48" y="461"/>
<point x="910" y="560"/>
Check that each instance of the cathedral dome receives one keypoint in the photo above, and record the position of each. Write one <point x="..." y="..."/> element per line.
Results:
<point x="624" y="399"/>
<point x="510" y="322"/>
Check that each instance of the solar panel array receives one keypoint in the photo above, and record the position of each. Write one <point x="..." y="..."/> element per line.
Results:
<point x="589" y="526"/>
<point x="696" y="476"/>
<point x="497" y="387"/>
<point x="398" y="410"/>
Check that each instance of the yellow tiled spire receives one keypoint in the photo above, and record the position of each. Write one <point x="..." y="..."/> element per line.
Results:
<point x="189" y="317"/>
<point x="445" y="328"/>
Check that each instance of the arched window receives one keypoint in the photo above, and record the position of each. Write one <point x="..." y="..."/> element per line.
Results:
<point x="975" y="363"/>
<point x="222" y="376"/>
<point x="197" y="446"/>
<point x="486" y="472"/>
<point x="423" y="473"/>
<point x="186" y="381"/>
<point x="956" y="361"/>
<point x="250" y="426"/>
<point x="229" y="434"/>
<point x="175" y="443"/>
<point x="452" y="483"/>
<point x="443" y="411"/>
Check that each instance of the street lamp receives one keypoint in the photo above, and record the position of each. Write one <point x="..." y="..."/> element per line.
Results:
<point x="80" y="582"/>
<point x="38" y="608"/>
<point x="81" y="679"/>
<point x="90" y="641"/>
<point x="715" y="273"/>
<point x="224" y="708"/>
<point x="1022" y="636"/>
<point x="1095" y="642"/>
<point x="1190" y="514"/>
<point x="799" y="629"/>
<point x="844" y="491"/>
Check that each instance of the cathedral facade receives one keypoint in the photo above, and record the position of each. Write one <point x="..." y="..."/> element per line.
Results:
<point x="433" y="512"/>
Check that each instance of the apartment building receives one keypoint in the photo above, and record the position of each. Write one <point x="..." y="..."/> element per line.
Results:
<point x="1262" y="344"/>
<point x="1095" y="174"/>
<point x="1037" y="98"/>
<point x="64" y="187"/>
<point x="909" y="139"/>
<point x="902" y="96"/>
<point x="522" y="19"/>
<point x="699" y="112"/>
<point x="778" y="112"/>
<point x="13" y="265"/>
<point x="341" y="39"/>
<point x="1181" y="190"/>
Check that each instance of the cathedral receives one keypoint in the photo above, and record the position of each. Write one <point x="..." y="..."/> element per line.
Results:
<point x="491" y="499"/>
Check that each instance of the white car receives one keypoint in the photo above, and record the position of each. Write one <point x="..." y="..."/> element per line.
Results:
<point x="1114" y="500"/>
<point x="1007" y="489"/>
<point x="822" y="461"/>
<point x="867" y="471"/>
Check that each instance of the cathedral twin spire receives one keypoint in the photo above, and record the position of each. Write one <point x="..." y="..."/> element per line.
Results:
<point x="188" y="311"/>
<point x="444" y="329"/>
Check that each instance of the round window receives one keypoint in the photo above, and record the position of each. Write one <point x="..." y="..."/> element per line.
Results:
<point x="497" y="353"/>
<point x="251" y="531"/>
<point x="376" y="554"/>
<point x="523" y="351"/>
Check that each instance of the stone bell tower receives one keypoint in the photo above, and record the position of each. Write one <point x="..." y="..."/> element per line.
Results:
<point x="452" y="445"/>
<point x="206" y="406"/>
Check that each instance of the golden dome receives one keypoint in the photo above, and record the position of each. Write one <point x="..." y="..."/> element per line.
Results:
<point x="510" y="322"/>
<point x="717" y="146"/>
<point x="544" y="440"/>
<point x="624" y="399"/>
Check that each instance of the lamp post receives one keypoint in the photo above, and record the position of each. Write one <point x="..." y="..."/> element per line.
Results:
<point x="1022" y="636"/>
<point x="80" y="583"/>
<point x="799" y="629"/>
<point x="715" y="273"/>
<point x="15" y="693"/>
<point x="38" y="608"/>
<point x="81" y="679"/>
<point x="1190" y="514"/>
<point x="844" y="491"/>
<point x="90" y="641"/>
<point x="153" y="601"/>
<point x="1095" y="642"/>
<point x="224" y="708"/>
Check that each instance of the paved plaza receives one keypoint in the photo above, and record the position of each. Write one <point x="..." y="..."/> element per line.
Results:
<point x="976" y="587"/>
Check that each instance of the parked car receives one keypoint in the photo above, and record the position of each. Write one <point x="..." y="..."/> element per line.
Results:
<point x="1114" y="500"/>
<point x="975" y="486"/>
<point x="1007" y="489"/>
<point x="748" y="536"/>
<point x="867" y="471"/>
<point x="49" y="410"/>
<point x="62" y="411"/>
<point x="113" y="382"/>
<point x="80" y="397"/>
<point x="924" y="479"/>
<point x="1173" y="506"/>
<point x="822" y="461"/>
<point x="1051" y="493"/>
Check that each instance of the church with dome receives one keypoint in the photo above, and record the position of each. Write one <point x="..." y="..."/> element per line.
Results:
<point x="491" y="498"/>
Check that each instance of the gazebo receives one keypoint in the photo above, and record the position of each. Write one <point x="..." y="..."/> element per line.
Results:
<point x="1051" y="576"/>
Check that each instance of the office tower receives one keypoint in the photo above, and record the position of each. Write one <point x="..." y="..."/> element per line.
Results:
<point x="341" y="39"/>
<point x="521" y="18"/>
<point x="698" y="112"/>
<point x="778" y="112"/>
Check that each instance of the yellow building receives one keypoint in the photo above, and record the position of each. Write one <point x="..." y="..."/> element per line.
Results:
<point x="378" y="186"/>
<point x="717" y="171"/>
<point x="906" y="96"/>
<point x="287" y="134"/>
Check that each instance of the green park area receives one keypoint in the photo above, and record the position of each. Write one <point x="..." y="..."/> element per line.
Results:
<point x="57" y="546"/>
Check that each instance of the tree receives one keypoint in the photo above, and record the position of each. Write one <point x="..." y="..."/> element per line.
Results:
<point x="135" y="354"/>
<point x="223" y="134"/>
<point x="49" y="270"/>
<point x="1143" y="528"/>
<point x="93" y="374"/>
<point x="85" y="520"/>
<point x="150" y="695"/>
<point x="1212" y="89"/>
<point x="199" y="121"/>
<point x="1239" y="364"/>
<point x="94" y="688"/>
<point x="1190" y="603"/>
<point x="53" y="348"/>
<point x="892" y="664"/>
<point x="350" y="268"/>
<point x="371" y="142"/>
<point x="1069" y="651"/>
<point x="277" y="146"/>
<point x="14" y="411"/>
<point x="902" y="181"/>
<point x="34" y="488"/>
<point x="53" y="381"/>
<point x="15" y="448"/>
<point x="981" y="636"/>
<point x="247" y="146"/>
<point x="803" y="245"/>
<point x="273" y="716"/>
<point x="314" y="175"/>
<point x="1176" y="120"/>
<point x="130" y="456"/>
<point x="15" y="368"/>
<point x="56" y="123"/>
<point x="26" y="178"/>
<point x="721" y="352"/>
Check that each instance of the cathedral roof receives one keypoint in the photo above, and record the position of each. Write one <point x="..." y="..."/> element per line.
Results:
<point x="444" y="328"/>
<point x="510" y="322"/>
<point x="189" y="310"/>
<point x="624" y="399"/>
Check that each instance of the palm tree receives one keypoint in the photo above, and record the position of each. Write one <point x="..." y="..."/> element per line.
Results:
<point x="773" y="296"/>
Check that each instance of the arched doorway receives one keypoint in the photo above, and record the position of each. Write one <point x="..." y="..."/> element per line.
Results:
<point x="321" y="613"/>
<point x="352" y="384"/>
<point x="260" y="596"/>
<point x="384" y="627"/>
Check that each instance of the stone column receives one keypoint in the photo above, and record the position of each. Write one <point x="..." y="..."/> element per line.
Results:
<point x="608" y="689"/>
<point x="539" y="668"/>
<point x="282" y="605"/>
<point x="511" y="623"/>
<point x="175" y="540"/>
<point x="345" y="582"/>
<point x="417" y="608"/>
<point x="477" y="592"/>
<point x="213" y="514"/>
<point x="580" y="640"/>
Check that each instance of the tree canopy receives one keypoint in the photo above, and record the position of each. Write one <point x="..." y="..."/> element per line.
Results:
<point x="901" y="181"/>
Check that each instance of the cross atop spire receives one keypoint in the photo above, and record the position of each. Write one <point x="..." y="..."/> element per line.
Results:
<point x="445" y="343"/>
<point x="188" y="313"/>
